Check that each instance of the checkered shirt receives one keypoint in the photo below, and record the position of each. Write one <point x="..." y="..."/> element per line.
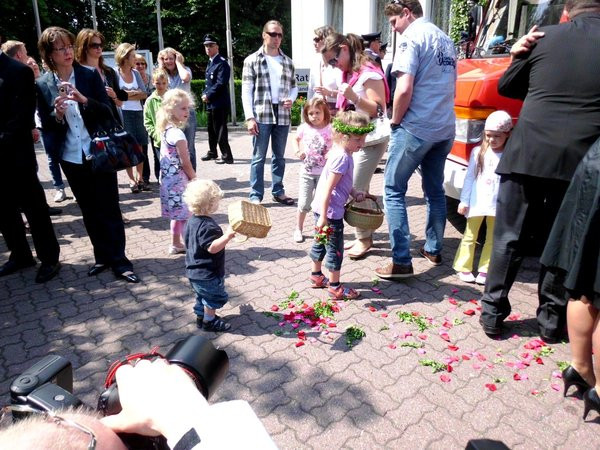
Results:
<point x="256" y="71"/>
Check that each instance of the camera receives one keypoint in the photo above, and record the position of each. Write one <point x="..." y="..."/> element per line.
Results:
<point x="48" y="384"/>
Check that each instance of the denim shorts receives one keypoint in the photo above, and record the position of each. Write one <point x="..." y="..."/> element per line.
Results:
<point x="209" y="293"/>
<point x="333" y="251"/>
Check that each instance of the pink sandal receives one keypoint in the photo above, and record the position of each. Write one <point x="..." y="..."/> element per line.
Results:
<point x="318" y="281"/>
<point x="342" y="293"/>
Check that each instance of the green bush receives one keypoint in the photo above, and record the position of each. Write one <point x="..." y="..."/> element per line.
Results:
<point x="459" y="13"/>
<point x="296" y="112"/>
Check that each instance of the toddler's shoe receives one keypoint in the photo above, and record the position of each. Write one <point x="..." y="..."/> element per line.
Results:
<point x="318" y="281"/>
<point x="481" y="277"/>
<point x="466" y="277"/>
<point x="298" y="236"/>
<point x="173" y="250"/>
<point x="342" y="293"/>
<point x="216" y="325"/>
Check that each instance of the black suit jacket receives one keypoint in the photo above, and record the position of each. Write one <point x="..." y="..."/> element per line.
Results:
<point x="17" y="100"/>
<point x="560" y="119"/>
<point x="217" y="83"/>
<point x="96" y="114"/>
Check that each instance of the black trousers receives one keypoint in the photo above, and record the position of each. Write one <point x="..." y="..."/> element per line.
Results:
<point x="23" y="192"/>
<point x="526" y="209"/>
<point x="97" y="195"/>
<point x="156" y="153"/>
<point x="217" y="133"/>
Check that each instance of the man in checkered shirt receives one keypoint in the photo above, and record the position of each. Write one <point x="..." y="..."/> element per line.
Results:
<point x="268" y="91"/>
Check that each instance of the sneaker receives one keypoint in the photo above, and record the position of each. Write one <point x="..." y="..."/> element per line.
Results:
<point x="255" y="200"/>
<point x="176" y="250"/>
<point x="481" y="277"/>
<point x="60" y="196"/>
<point x="395" y="271"/>
<point x="298" y="236"/>
<point x="434" y="260"/>
<point x="217" y="325"/>
<point x="466" y="277"/>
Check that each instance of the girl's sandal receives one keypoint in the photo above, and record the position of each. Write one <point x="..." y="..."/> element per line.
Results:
<point x="318" y="281"/>
<point x="342" y="293"/>
<point x="216" y="325"/>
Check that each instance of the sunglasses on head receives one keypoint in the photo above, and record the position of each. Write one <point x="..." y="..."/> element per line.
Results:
<point x="274" y="34"/>
<point x="95" y="45"/>
<point x="333" y="61"/>
<point x="398" y="2"/>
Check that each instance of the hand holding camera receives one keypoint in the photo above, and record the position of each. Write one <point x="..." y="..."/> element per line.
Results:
<point x="66" y="92"/>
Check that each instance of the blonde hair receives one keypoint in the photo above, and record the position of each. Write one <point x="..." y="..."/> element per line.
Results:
<point x="122" y="51"/>
<point x="158" y="74"/>
<point x="170" y="101"/>
<point x="164" y="53"/>
<point x="11" y="48"/>
<point x="202" y="197"/>
<point x="352" y="119"/>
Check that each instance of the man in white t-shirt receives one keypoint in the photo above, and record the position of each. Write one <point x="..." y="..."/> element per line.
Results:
<point x="268" y="92"/>
<point x="423" y="127"/>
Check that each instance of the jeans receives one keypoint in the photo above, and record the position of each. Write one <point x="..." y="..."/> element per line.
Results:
<point x="190" y="137"/>
<point x="278" y="135"/>
<point x="54" y="166"/>
<point x="333" y="251"/>
<point x="406" y="153"/>
<point x="210" y="293"/>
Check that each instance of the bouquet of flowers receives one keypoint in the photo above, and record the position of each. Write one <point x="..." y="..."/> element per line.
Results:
<point x="322" y="235"/>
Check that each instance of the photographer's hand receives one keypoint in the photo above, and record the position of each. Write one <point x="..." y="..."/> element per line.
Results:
<point x="157" y="398"/>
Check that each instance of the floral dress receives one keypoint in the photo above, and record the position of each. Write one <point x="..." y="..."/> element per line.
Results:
<point x="173" y="179"/>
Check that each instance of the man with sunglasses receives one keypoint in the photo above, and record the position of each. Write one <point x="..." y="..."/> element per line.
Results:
<point x="422" y="131"/>
<point x="268" y="92"/>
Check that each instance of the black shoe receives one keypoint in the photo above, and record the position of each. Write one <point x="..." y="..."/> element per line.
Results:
<point x="550" y="339"/>
<point x="52" y="211"/>
<point x="490" y="330"/>
<point x="208" y="157"/>
<point x="199" y="321"/>
<point x="13" y="266"/>
<point x="570" y="378"/>
<point x="284" y="200"/>
<point x="590" y="401"/>
<point x="128" y="276"/>
<point x="224" y="161"/>
<point x="46" y="272"/>
<point x="216" y="325"/>
<point x="96" y="269"/>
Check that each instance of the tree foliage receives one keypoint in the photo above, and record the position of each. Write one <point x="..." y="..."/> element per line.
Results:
<point x="184" y="22"/>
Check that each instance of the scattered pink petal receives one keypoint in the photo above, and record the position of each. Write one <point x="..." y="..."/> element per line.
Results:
<point x="557" y="374"/>
<point x="449" y="368"/>
<point x="452" y="348"/>
<point x="556" y="387"/>
<point x="331" y="325"/>
<point x="422" y="337"/>
<point x="313" y="339"/>
<point x="491" y="386"/>
<point x="421" y="351"/>
<point x="384" y="315"/>
<point x="299" y="343"/>
<point x="509" y="364"/>
<point x="450" y="359"/>
<point x="392" y="346"/>
<point x="524" y="376"/>
<point x="514" y="316"/>
<point x="447" y="324"/>
<point x="445" y="336"/>
<point x="295" y="325"/>
<point x="475" y="302"/>
<point x="454" y="290"/>
<point x="539" y="360"/>
<point x="274" y="308"/>
<point x="282" y="324"/>
<point x="480" y="357"/>
<point x="515" y="336"/>
<point x="453" y="301"/>
<point x="466" y="358"/>
<point x="517" y="377"/>
<point x="476" y="366"/>
<point x="469" y="312"/>
<point x="372" y="309"/>
<point x="376" y="290"/>
<point x="535" y="392"/>
<point x="445" y="378"/>
<point x="490" y="366"/>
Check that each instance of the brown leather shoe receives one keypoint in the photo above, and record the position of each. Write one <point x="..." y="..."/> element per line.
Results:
<point x="434" y="260"/>
<point x="395" y="271"/>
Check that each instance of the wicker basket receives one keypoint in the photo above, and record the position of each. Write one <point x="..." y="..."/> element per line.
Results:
<point x="369" y="219"/>
<point x="249" y="219"/>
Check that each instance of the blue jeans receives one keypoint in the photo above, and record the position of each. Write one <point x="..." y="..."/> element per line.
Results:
<point x="406" y="153"/>
<point x="333" y="251"/>
<point x="54" y="166"/>
<point x="190" y="136"/>
<point x="209" y="293"/>
<point x="278" y="135"/>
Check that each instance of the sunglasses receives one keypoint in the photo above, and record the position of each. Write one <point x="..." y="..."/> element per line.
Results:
<point x="95" y="45"/>
<point x="333" y="61"/>
<point x="140" y="63"/>
<point x="274" y="34"/>
<point x="317" y="39"/>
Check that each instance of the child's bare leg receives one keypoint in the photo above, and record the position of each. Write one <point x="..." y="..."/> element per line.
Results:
<point x="209" y="312"/>
<point x="176" y="231"/>
<point x="334" y="277"/>
<point x="316" y="266"/>
<point x="300" y="222"/>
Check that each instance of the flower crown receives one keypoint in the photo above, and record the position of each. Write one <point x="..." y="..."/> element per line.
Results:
<point x="343" y="128"/>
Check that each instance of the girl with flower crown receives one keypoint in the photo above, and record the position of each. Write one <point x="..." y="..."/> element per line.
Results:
<point x="335" y="186"/>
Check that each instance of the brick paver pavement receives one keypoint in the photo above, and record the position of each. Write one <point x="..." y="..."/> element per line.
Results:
<point x="322" y="394"/>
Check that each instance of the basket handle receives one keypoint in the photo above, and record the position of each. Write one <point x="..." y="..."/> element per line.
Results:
<point x="372" y="197"/>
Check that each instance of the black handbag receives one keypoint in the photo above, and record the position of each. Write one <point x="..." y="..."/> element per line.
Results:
<point x="114" y="150"/>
